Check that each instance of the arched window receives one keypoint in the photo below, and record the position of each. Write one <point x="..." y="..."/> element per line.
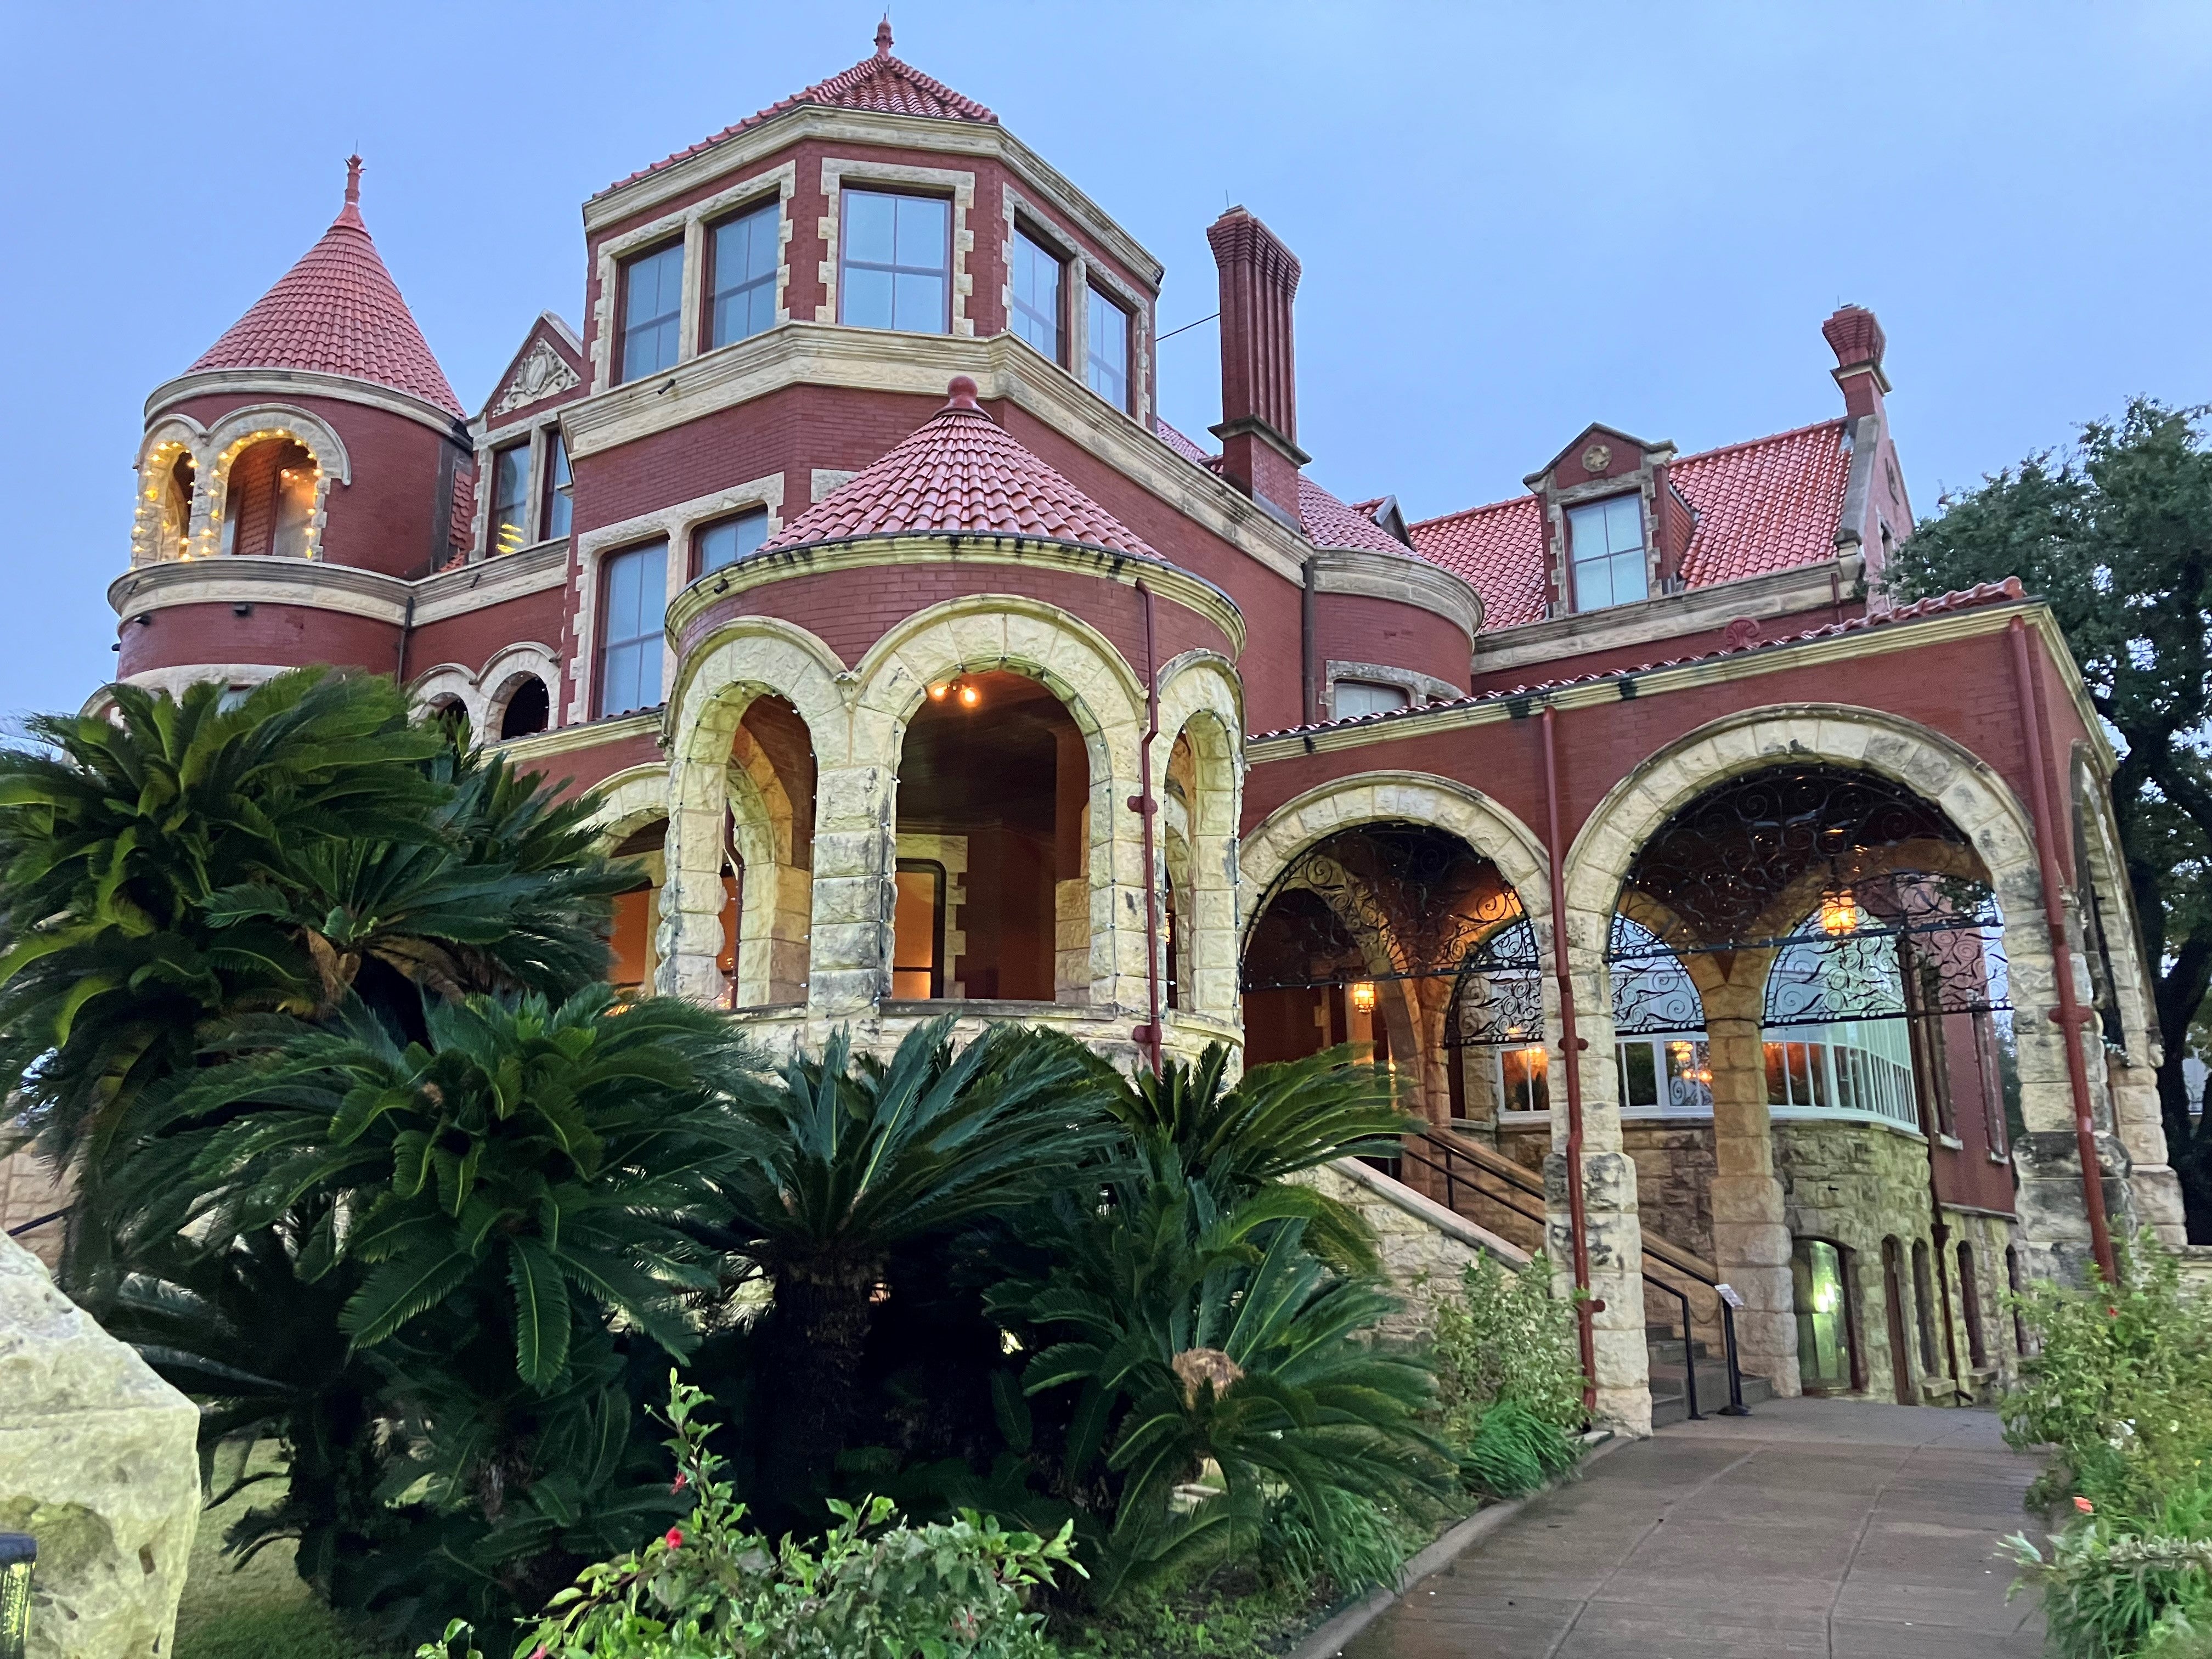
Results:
<point x="529" y="709"/>
<point x="1659" y="1024"/>
<point x="993" y="792"/>
<point x="1969" y="1307"/>
<point x="173" y="522"/>
<point x="1924" y="1307"/>
<point x="1827" y="1333"/>
<point x="269" y="500"/>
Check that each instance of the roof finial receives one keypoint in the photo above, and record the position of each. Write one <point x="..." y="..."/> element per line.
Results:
<point x="960" y="393"/>
<point x="883" y="36"/>
<point x="353" y="181"/>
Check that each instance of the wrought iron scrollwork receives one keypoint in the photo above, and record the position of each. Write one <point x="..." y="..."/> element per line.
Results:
<point x="1389" y="901"/>
<point x="1497" y="999"/>
<point x="1652" y="991"/>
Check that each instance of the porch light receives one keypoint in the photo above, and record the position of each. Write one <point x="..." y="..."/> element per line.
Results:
<point x="1840" y="912"/>
<point x="937" y="692"/>
<point x="1363" y="997"/>
<point x="970" y="696"/>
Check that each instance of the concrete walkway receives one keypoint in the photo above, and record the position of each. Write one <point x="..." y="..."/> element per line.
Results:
<point x="1828" y="1528"/>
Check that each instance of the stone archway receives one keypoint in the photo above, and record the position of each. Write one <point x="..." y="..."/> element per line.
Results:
<point x="714" y="795"/>
<point x="858" y="807"/>
<point x="1979" y="804"/>
<point x="1200" y="706"/>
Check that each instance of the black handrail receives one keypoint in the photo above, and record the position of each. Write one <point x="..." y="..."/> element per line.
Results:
<point x="1423" y="1149"/>
<point x="33" y="1226"/>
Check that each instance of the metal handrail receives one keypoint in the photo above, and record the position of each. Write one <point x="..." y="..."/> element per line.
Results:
<point x="33" y="1226"/>
<point x="1531" y="1185"/>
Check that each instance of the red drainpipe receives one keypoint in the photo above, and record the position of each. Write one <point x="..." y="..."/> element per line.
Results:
<point x="1146" y="808"/>
<point x="2068" y="1015"/>
<point x="1571" y="1049"/>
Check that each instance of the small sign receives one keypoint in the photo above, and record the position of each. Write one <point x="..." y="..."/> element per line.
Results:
<point x="1728" y="1295"/>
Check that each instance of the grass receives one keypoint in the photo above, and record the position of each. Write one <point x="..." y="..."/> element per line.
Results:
<point x="261" y="1611"/>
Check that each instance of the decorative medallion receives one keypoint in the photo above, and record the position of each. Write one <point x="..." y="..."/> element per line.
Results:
<point x="1596" y="458"/>
<point x="539" y="375"/>
<point x="1741" y="634"/>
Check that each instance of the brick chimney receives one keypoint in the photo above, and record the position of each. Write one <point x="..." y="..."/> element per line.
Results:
<point x="1857" y="341"/>
<point x="1259" y="428"/>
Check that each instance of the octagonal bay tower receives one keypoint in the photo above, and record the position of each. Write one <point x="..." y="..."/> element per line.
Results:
<point x="933" y="745"/>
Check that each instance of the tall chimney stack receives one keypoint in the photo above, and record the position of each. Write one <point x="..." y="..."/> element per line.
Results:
<point x="1259" y="428"/>
<point x="1858" y="342"/>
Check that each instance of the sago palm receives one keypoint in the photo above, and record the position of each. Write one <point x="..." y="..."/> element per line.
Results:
<point x="843" y="1159"/>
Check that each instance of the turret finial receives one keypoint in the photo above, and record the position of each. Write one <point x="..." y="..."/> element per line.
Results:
<point x="884" y="37"/>
<point x="353" y="181"/>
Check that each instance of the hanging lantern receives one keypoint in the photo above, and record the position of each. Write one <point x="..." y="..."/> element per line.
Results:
<point x="1840" y="912"/>
<point x="970" y="696"/>
<point x="1363" y="997"/>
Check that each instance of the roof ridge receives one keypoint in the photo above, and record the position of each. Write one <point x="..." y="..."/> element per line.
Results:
<point x="831" y="93"/>
<point x="1753" y="443"/>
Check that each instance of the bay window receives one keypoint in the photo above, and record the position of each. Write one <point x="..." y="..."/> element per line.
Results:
<point x="633" y="606"/>
<point x="652" y="312"/>
<point x="1035" y="285"/>
<point x="741" y="264"/>
<point x="897" y="262"/>
<point x="1106" y="367"/>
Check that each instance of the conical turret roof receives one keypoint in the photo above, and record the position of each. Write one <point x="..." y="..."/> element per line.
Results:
<point x="337" y="312"/>
<point x="958" y="473"/>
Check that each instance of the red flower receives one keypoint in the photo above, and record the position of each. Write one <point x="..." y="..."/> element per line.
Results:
<point x="675" y="1538"/>
<point x="2085" y="1506"/>
<point x="682" y="1481"/>
<point x="538" y="1652"/>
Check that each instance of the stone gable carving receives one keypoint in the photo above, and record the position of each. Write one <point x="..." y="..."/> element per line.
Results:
<point x="539" y="375"/>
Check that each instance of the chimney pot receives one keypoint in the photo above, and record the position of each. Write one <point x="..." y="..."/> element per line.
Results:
<point x="1259" y="429"/>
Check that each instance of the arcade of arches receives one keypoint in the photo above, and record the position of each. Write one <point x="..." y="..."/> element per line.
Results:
<point x="1813" y="1065"/>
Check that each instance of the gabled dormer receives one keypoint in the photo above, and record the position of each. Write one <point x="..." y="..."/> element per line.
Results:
<point x="1615" y="528"/>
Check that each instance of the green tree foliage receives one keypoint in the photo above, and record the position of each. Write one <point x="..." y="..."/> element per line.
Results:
<point x="2117" y="537"/>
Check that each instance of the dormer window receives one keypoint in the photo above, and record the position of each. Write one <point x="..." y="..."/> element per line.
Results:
<point x="1357" y="697"/>
<point x="510" y="498"/>
<point x="1036" y="285"/>
<point x="897" y="263"/>
<point x="1604" y="548"/>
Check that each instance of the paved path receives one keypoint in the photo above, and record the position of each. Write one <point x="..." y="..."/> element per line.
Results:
<point x="1826" y="1527"/>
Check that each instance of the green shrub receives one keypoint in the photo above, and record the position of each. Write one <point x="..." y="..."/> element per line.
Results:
<point x="1509" y="1376"/>
<point x="874" y="1588"/>
<point x="2120" y="1387"/>
<point x="2119" y="1587"/>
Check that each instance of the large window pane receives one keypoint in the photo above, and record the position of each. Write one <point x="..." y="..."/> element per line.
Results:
<point x="897" y="264"/>
<point x="1606" y="541"/>
<point x="510" y="499"/>
<point x="633" y="588"/>
<point x="1107" y="365"/>
<point x="652" y="308"/>
<point x="1036" y="296"/>
<point x="744" y="265"/>
<point x="558" y="508"/>
<point x="727" y="540"/>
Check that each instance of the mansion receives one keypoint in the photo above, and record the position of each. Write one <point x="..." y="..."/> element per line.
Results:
<point x="1748" y="941"/>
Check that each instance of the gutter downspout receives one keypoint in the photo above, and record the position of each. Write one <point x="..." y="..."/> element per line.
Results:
<point x="1309" y="670"/>
<point x="406" y="629"/>
<point x="1146" y="808"/>
<point x="2068" y="1016"/>
<point x="1570" y="1051"/>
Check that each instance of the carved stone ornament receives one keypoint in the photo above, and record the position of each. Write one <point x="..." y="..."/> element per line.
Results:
<point x="1596" y="458"/>
<point x="540" y="374"/>
<point x="1741" y="634"/>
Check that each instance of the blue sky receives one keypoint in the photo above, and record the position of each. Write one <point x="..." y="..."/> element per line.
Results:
<point x="1513" y="219"/>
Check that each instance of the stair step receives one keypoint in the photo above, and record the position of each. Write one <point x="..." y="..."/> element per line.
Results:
<point x="1668" y="1404"/>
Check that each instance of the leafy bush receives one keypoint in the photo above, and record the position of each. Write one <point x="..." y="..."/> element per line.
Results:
<point x="2119" y="1387"/>
<point x="1509" y="1378"/>
<point x="875" y="1587"/>
<point x="2121" y="1394"/>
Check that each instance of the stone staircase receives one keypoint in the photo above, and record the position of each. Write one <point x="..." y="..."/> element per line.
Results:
<point x="1669" y="1378"/>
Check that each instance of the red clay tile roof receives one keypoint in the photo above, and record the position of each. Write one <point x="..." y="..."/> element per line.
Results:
<point x="1762" y="506"/>
<point x="959" y="473"/>
<point x="1500" y="549"/>
<point x="1981" y="593"/>
<point x="336" y="311"/>
<point x="881" y="83"/>
<point x="1330" y="523"/>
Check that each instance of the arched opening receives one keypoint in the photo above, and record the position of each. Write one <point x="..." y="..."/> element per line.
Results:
<point x="1893" y="1302"/>
<point x="633" y="944"/>
<point x="529" y="709"/>
<point x="269" y="500"/>
<point x="769" y="855"/>
<point x="1828" y="1358"/>
<point x="175" y="477"/>
<point x="449" y="712"/>
<point x="1970" y="1308"/>
<point x="1923" y="1309"/>
<point x="1811" y="955"/>
<point x="992" y="845"/>
<point x="1373" y="935"/>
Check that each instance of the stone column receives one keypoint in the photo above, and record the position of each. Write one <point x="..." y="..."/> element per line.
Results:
<point x="1615" y="1237"/>
<point x="1750" y="1238"/>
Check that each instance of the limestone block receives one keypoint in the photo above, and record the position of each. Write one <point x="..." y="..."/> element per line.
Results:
<point x="98" y="1462"/>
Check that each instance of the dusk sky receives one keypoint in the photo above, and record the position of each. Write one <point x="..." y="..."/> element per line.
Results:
<point x="1514" y="220"/>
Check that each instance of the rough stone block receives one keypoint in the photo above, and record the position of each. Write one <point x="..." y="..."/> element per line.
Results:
<point x="98" y="1462"/>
